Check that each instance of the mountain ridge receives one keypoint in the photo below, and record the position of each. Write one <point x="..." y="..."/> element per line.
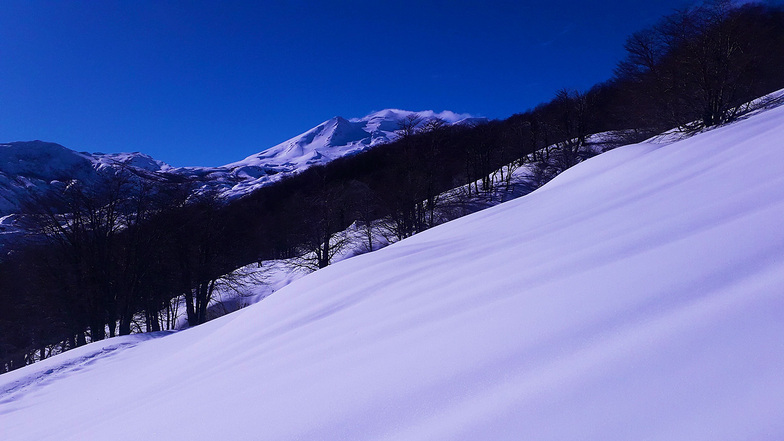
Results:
<point x="35" y="166"/>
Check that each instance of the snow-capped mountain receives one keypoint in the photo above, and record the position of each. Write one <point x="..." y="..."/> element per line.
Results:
<point x="35" y="166"/>
<point x="638" y="295"/>
<point x="329" y="140"/>
<point x="339" y="137"/>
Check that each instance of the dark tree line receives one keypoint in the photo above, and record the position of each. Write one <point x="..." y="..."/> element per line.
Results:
<point x="109" y="259"/>
<point x="697" y="67"/>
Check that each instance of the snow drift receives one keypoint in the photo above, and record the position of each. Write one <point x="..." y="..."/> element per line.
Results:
<point x="636" y="296"/>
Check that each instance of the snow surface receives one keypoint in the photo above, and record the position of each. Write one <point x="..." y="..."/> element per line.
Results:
<point x="637" y="296"/>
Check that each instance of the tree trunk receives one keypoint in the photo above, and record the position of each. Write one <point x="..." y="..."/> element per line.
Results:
<point x="190" y="308"/>
<point x="125" y="324"/>
<point x="97" y="331"/>
<point x="153" y="324"/>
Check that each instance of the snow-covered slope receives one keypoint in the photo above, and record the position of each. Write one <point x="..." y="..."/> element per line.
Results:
<point x="638" y="296"/>
<point x="35" y="166"/>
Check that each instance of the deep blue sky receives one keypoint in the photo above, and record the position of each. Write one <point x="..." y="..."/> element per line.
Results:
<point x="211" y="82"/>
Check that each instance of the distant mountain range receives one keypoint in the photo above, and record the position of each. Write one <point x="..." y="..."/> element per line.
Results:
<point x="36" y="166"/>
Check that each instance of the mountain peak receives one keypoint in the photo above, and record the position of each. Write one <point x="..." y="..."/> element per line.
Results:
<point x="340" y="136"/>
<point x="334" y="138"/>
<point x="399" y="114"/>
<point x="40" y="159"/>
<point x="134" y="159"/>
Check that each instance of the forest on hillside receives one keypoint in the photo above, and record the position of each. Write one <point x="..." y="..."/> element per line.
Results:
<point x="108" y="259"/>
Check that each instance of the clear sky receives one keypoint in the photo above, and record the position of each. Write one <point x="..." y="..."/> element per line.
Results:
<point x="211" y="82"/>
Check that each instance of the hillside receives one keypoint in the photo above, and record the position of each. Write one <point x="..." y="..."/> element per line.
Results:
<point x="635" y="296"/>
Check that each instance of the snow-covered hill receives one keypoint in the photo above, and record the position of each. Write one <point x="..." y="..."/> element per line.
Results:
<point x="35" y="166"/>
<point x="636" y="296"/>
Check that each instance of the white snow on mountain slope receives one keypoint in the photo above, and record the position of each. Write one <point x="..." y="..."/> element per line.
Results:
<point x="636" y="296"/>
<point x="36" y="165"/>
<point x="329" y="140"/>
<point x="339" y="136"/>
<point x="135" y="159"/>
<point x="26" y="166"/>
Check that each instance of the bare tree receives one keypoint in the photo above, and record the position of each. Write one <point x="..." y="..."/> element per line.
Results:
<point x="697" y="65"/>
